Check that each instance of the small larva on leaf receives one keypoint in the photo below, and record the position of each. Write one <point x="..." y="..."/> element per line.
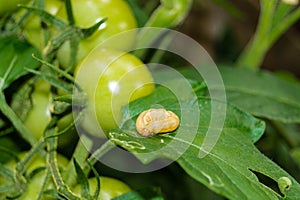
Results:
<point x="154" y="121"/>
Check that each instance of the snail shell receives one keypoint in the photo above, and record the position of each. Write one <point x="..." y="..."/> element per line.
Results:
<point x="154" y="121"/>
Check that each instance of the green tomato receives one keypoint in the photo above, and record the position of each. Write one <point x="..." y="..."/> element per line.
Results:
<point x="111" y="79"/>
<point x="9" y="6"/>
<point x="109" y="188"/>
<point x="39" y="115"/>
<point x="33" y="30"/>
<point x="87" y="13"/>
<point x="34" y="185"/>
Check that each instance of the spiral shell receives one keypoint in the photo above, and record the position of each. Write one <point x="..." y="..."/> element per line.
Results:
<point x="154" y="121"/>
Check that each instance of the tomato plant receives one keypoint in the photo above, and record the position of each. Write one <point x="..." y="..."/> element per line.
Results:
<point x="218" y="142"/>
<point x="111" y="79"/>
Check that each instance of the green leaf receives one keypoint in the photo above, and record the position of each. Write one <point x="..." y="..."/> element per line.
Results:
<point x="227" y="169"/>
<point x="230" y="7"/>
<point x="262" y="94"/>
<point x="143" y="194"/>
<point x="15" y="56"/>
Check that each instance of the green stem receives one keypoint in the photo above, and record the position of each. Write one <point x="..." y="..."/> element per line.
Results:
<point x="44" y="185"/>
<point x="253" y="55"/>
<point x="274" y="21"/>
<point x="62" y="188"/>
<point x="107" y="146"/>
<point x="70" y="12"/>
<point x="56" y="69"/>
<point x="284" y="25"/>
<point x="169" y="14"/>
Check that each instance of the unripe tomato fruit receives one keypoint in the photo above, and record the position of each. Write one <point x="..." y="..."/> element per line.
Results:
<point x="39" y="115"/>
<point x="111" y="79"/>
<point x="109" y="188"/>
<point x="87" y="13"/>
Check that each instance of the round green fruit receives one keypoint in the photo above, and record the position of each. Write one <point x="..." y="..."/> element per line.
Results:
<point x="39" y="115"/>
<point x="87" y="13"/>
<point x="111" y="79"/>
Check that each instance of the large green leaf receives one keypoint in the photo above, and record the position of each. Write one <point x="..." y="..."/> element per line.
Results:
<point x="260" y="93"/>
<point x="227" y="169"/>
<point x="15" y="56"/>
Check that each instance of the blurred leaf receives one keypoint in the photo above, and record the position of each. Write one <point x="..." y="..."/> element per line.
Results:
<point x="230" y="7"/>
<point x="262" y="94"/>
<point x="226" y="169"/>
<point x="296" y="155"/>
<point x="286" y="75"/>
<point x="15" y="56"/>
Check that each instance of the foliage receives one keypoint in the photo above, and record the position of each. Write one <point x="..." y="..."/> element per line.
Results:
<point x="259" y="105"/>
